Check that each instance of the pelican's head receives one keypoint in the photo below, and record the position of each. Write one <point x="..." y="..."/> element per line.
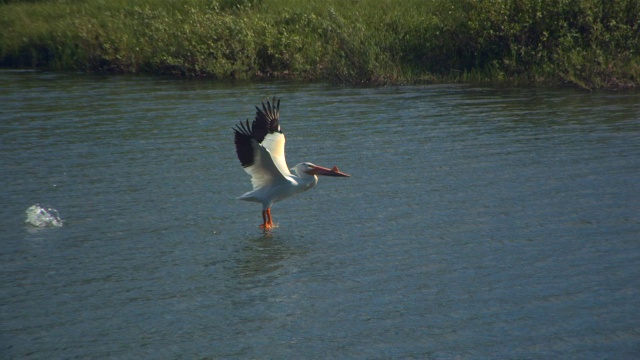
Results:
<point x="312" y="169"/>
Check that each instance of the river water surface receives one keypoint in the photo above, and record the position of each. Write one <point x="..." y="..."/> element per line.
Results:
<point x="478" y="223"/>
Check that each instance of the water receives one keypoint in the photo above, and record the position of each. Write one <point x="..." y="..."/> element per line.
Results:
<point x="478" y="223"/>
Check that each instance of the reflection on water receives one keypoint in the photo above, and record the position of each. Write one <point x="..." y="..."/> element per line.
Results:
<point x="264" y="255"/>
<point x="478" y="222"/>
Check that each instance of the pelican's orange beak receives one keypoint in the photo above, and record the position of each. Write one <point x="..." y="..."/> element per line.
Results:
<point x="319" y="170"/>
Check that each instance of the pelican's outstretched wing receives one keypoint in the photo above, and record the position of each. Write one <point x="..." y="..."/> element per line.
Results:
<point x="260" y="147"/>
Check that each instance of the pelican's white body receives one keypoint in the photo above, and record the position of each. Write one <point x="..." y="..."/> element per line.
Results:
<point x="271" y="179"/>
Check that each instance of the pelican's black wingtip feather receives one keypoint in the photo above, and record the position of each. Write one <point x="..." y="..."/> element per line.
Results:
<point x="267" y="121"/>
<point x="274" y="114"/>
<point x="243" y="129"/>
<point x="242" y="140"/>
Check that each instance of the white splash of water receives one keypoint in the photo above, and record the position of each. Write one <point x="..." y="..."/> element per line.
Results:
<point x="41" y="217"/>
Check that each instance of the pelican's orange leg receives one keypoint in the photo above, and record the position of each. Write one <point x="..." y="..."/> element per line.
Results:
<point x="267" y="223"/>
<point x="264" y="220"/>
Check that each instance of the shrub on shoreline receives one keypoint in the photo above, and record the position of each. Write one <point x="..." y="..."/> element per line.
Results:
<point x="586" y="43"/>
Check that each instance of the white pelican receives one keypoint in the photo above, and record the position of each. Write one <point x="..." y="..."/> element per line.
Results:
<point x="260" y="148"/>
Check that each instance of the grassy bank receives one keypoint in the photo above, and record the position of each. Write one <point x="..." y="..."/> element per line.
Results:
<point x="588" y="43"/>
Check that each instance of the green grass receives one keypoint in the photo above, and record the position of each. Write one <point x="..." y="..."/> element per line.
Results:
<point x="586" y="43"/>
